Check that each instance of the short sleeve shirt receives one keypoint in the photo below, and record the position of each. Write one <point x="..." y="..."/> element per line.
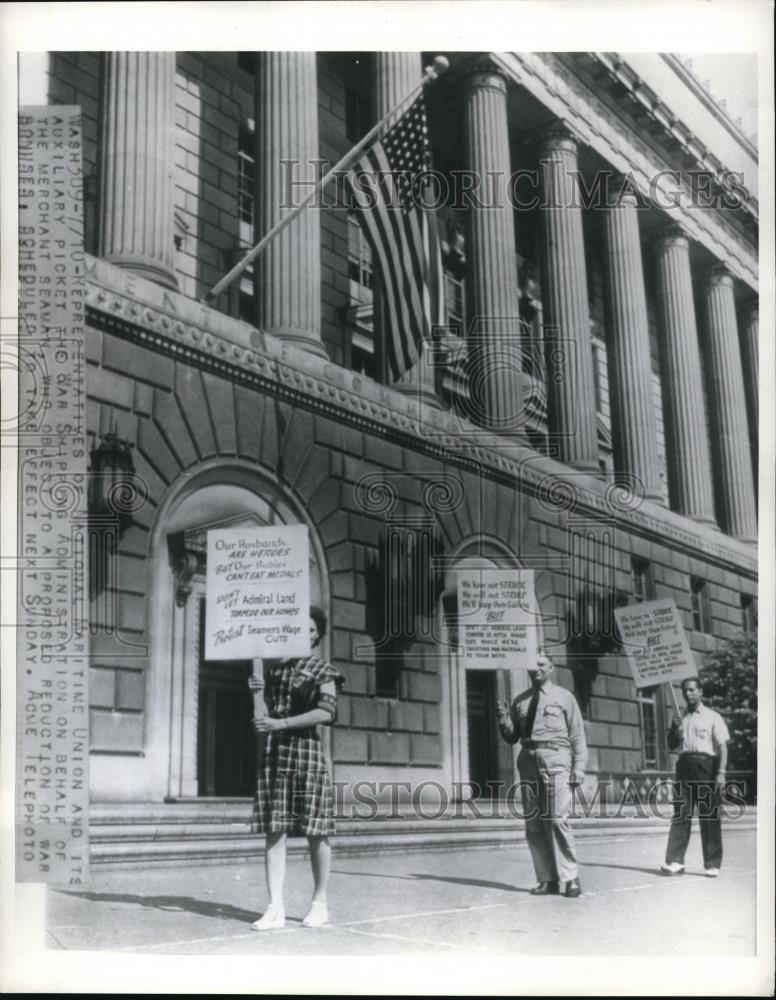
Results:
<point x="558" y="720"/>
<point x="703" y="731"/>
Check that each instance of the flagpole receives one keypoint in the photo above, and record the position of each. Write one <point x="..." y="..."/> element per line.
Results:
<point x="432" y="72"/>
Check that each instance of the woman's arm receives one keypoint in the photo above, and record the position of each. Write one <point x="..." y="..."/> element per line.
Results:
<point x="315" y="717"/>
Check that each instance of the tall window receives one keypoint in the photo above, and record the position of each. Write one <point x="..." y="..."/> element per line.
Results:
<point x="455" y="303"/>
<point x="701" y="610"/>
<point x="648" y="718"/>
<point x="246" y="221"/>
<point x="360" y="271"/>
<point x="748" y="616"/>
<point x="642" y="583"/>
<point x="388" y="671"/>
<point x="357" y="113"/>
<point x="643" y="587"/>
<point x="361" y="353"/>
<point x="597" y="387"/>
<point x="246" y="166"/>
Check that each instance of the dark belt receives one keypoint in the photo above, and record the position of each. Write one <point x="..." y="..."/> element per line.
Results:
<point x="542" y="744"/>
<point x="701" y="756"/>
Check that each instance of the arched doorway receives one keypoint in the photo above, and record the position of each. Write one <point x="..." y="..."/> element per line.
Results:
<point x="480" y="762"/>
<point x="200" y="715"/>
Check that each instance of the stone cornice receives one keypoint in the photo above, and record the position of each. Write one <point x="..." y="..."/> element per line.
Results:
<point x="142" y="312"/>
<point x="691" y="81"/>
<point x="565" y="94"/>
<point x="654" y="108"/>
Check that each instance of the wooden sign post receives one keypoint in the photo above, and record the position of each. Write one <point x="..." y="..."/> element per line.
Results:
<point x="259" y="707"/>
<point x="677" y="708"/>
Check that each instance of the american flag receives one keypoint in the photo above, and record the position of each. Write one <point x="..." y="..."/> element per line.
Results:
<point x="402" y="235"/>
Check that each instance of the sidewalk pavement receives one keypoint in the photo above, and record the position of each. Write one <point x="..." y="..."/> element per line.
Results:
<point x="429" y="901"/>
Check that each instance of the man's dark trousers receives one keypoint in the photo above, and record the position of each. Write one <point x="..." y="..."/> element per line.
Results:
<point x="695" y="788"/>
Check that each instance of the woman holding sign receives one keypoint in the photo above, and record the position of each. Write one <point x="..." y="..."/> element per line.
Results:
<point x="294" y="792"/>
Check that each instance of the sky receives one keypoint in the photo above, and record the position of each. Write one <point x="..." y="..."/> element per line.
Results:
<point x="733" y="78"/>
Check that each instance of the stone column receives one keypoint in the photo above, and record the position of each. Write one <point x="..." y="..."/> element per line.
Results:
<point x="750" y="341"/>
<point x="287" y="274"/>
<point x="395" y="74"/>
<point x="495" y="364"/>
<point x="136" y="166"/>
<point x="687" y="442"/>
<point x="571" y="396"/>
<point x="727" y="408"/>
<point x="634" y="428"/>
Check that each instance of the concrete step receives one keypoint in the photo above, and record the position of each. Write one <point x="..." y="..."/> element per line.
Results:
<point x="219" y="832"/>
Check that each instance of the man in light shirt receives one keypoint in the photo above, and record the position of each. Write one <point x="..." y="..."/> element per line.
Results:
<point x="701" y="736"/>
<point x="548" y="723"/>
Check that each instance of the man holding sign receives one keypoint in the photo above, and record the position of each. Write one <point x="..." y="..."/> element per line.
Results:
<point x="548" y="723"/>
<point x="655" y="643"/>
<point x="700" y="735"/>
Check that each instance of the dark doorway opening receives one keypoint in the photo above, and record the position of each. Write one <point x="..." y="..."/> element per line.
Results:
<point x="484" y="765"/>
<point x="226" y="755"/>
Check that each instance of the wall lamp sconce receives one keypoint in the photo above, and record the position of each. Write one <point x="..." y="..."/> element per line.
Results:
<point x="112" y="489"/>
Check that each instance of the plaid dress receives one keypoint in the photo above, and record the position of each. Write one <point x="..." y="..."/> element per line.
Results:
<point x="293" y="787"/>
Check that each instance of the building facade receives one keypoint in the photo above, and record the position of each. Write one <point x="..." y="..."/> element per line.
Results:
<point x="588" y="410"/>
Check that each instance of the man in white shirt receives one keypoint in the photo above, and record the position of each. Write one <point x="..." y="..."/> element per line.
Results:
<point x="548" y="723"/>
<point x="701" y="736"/>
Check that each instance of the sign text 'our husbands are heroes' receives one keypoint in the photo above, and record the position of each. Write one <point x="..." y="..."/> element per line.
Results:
<point x="258" y="593"/>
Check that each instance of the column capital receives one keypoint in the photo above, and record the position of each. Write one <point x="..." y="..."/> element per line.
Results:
<point x="559" y="136"/>
<point x="623" y="184"/>
<point x="485" y="75"/>
<point x="715" y="274"/>
<point x="671" y="234"/>
<point x="621" y="190"/>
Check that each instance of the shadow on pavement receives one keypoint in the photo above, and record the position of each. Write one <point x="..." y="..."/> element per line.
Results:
<point x="415" y="876"/>
<point x="188" y="904"/>
<point x="476" y="882"/>
<point x="635" y="868"/>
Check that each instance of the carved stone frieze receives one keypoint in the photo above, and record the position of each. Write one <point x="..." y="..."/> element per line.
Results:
<point x="247" y="356"/>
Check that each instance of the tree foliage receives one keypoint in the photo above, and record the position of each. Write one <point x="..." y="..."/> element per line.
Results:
<point x="729" y="678"/>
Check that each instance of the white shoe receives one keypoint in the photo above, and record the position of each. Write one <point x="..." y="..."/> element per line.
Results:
<point x="317" y="917"/>
<point x="672" y="868"/>
<point x="272" y="919"/>
<point x="712" y="872"/>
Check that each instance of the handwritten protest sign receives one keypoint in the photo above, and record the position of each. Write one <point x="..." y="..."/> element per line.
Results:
<point x="257" y="593"/>
<point x="497" y="618"/>
<point x="654" y="640"/>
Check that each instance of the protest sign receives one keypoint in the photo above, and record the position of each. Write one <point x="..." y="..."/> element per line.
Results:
<point x="257" y="593"/>
<point x="497" y="618"/>
<point x="654" y="640"/>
